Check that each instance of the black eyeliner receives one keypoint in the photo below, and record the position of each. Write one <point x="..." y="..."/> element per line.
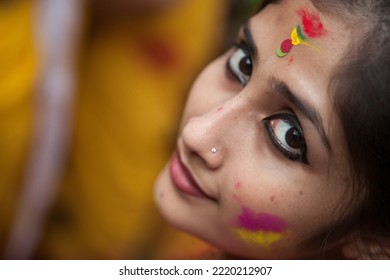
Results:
<point x="292" y="120"/>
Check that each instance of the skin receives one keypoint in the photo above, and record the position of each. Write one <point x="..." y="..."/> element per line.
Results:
<point x="247" y="170"/>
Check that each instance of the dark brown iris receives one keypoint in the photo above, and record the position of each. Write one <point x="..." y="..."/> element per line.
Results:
<point x="294" y="139"/>
<point x="246" y="65"/>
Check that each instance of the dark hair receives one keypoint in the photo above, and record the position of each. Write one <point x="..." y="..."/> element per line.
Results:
<point x="360" y="90"/>
<point x="361" y="94"/>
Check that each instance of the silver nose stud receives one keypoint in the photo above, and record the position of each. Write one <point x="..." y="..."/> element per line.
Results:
<point x="214" y="150"/>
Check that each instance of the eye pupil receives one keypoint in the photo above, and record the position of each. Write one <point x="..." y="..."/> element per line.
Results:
<point x="294" y="139"/>
<point x="246" y="65"/>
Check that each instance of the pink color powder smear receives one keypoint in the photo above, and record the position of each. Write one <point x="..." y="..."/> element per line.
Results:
<point x="312" y="24"/>
<point x="261" y="221"/>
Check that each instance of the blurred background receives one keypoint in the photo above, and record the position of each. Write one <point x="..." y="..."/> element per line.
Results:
<point x="91" y="93"/>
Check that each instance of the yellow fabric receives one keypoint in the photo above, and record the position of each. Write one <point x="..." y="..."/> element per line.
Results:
<point x="134" y="77"/>
<point x="18" y="68"/>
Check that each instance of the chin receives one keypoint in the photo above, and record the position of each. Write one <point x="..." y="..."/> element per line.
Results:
<point x="161" y="192"/>
<point x="190" y="215"/>
<point x="201" y="220"/>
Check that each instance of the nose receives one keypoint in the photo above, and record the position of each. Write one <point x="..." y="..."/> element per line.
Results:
<point x="210" y="137"/>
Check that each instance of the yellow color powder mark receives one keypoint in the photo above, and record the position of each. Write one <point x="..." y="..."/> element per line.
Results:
<point x="296" y="40"/>
<point x="263" y="238"/>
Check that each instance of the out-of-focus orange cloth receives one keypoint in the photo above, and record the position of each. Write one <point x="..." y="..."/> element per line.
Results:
<point x="18" y="70"/>
<point x="134" y="77"/>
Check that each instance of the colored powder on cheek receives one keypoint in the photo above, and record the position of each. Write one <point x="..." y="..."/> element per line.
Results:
<point x="261" y="221"/>
<point x="265" y="239"/>
<point x="312" y="24"/>
<point x="261" y="228"/>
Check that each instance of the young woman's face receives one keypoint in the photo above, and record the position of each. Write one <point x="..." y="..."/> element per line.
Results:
<point x="260" y="165"/>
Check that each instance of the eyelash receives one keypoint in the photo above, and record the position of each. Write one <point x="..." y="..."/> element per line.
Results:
<point x="294" y="133"/>
<point x="241" y="58"/>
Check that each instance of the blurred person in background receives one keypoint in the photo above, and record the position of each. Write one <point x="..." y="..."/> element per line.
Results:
<point x="90" y="96"/>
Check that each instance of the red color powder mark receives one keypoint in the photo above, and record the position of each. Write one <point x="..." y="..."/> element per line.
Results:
<point x="261" y="221"/>
<point x="291" y="60"/>
<point x="312" y="24"/>
<point x="237" y="185"/>
<point x="286" y="46"/>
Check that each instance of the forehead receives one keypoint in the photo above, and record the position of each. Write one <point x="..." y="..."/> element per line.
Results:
<point x="326" y="34"/>
<point x="307" y="69"/>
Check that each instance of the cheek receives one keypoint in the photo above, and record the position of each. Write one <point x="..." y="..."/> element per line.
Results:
<point x="260" y="229"/>
<point x="252" y="221"/>
<point x="256" y="228"/>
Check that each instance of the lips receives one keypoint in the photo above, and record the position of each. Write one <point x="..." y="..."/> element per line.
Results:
<point x="183" y="179"/>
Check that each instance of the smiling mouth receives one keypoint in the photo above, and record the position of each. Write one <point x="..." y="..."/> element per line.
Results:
<point x="183" y="180"/>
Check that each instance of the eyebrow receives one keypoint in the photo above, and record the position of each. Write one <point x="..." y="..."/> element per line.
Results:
<point x="304" y="108"/>
<point x="267" y="2"/>
<point x="250" y="42"/>
<point x="281" y="87"/>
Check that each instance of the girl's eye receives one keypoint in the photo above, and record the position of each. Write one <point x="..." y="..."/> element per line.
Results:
<point x="239" y="64"/>
<point x="286" y="134"/>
